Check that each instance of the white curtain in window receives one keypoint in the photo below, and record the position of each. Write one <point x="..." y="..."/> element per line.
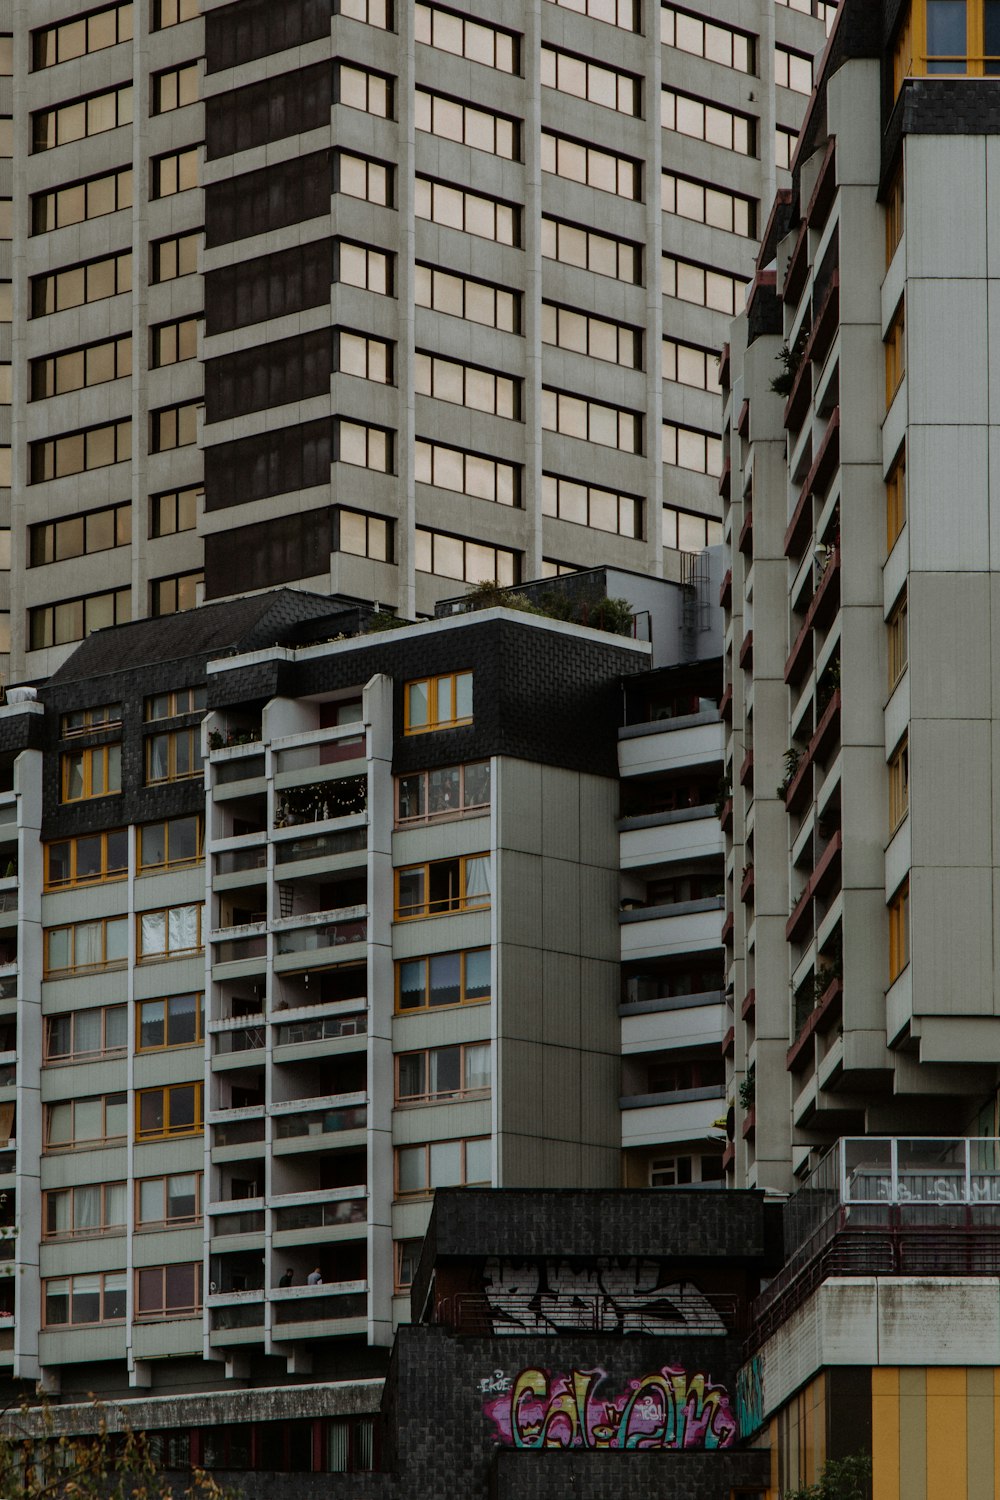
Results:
<point x="477" y="878"/>
<point x="183" y="928"/>
<point x="89" y="947"/>
<point x="87" y="1208"/>
<point x="114" y="1203"/>
<point x="152" y="933"/>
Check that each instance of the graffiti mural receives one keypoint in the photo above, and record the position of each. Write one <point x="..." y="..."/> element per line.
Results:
<point x="628" y="1296"/>
<point x="750" y="1396"/>
<point x="668" y="1408"/>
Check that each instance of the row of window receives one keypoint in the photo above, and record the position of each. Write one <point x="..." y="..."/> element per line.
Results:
<point x="96" y="1121"/>
<point x="97" y="1207"/>
<point x="102" y="28"/>
<point x="160" y="1292"/>
<point x="93" y="197"/>
<point x="172" y="932"/>
<point x="96" y="770"/>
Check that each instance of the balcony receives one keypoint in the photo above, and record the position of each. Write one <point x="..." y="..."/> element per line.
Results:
<point x="689" y="834"/>
<point x="314" y="1218"/>
<point x="338" y="1120"/>
<point x="299" y="1312"/>
<point x="677" y="1115"/>
<point x="685" y="927"/>
<point x="301" y="942"/>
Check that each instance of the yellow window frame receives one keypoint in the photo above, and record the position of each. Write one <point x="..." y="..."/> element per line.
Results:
<point x="106" y="874"/>
<point x="166" y="1131"/>
<point x="167" y="1044"/>
<point x="90" y="756"/>
<point x="425" y="959"/>
<point x="435" y="686"/>
<point x="460" y="902"/>
<point x="899" y="931"/>
<point x="168" y="863"/>
<point x="895" y="499"/>
<point x="899" y="648"/>
<point x="895" y="353"/>
<point x="899" y="784"/>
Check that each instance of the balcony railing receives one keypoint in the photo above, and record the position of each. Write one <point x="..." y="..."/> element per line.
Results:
<point x="322" y="1215"/>
<point x="243" y="1039"/>
<point x="329" y="1029"/>
<point x="326" y="1308"/>
<point x="331" y="1121"/>
<point x="250" y="1221"/>
<point x="322" y="846"/>
<point x="322" y="935"/>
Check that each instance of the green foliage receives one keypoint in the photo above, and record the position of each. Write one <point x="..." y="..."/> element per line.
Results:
<point x="383" y="620"/>
<point x="842" y="1479"/>
<point x="748" y="1089"/>
<point x="789" y="358"/>
<point x="612" y="615"/>
<point x="792" y="758"/>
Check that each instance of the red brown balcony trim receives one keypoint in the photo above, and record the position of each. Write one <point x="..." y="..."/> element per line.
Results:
<point x="726" y="590"/>
<point x="727" y="929"/>
<point x="800" y="396"/>
<point x="728" y="1155"/>
<point x="749" y="1006"/>
<point x="825" y="190"/>
<point x="826" y="863"/>
<point x="726" y="704"/>
<point x="724" y="365"/>
<point x="729" y="1042"/>
<point x="798" y="266"/>
<point x="825" y="322"/>
<point x="800" y="912"/>
<point x="725" y="478"/>
<point x="747" y="883"/>
<point x="746" y="534"/>
<point x="746" y="769"/>
<point x="726" y="816"/>
<point x="828" y="718"/>
<point x="743" y="421"/>
<point x="750" y="1123"/>
<point x="826" y="456"/>
<point x="746" y="651"/>
<point x="797" y="532"/>
<point x="798" y="783"/>
<point x="798" y="657"/>
<point x="830" y="1002"/>
<point x="820" y="606"/>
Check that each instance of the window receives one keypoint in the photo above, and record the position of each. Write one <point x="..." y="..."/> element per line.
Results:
<point x="824" y="10"/>
<point x="708" y="39"/>
<point x="92" y="772"/>
<point x="421" y="1169"/>
<point x="688" y="364"/>
<point x="368" y="12"/>
<point x="689" y="448"/>
<point x="438" y="702"/>
<point x="604" y="254"/>
<point x="173" y="12"/>
<point x="464" y="37"/>
<point x="590" y="505"/>
<point x="174" y="172"/>
<point x="92" y="281"/>
<point x="706" y="204"/>
<point x="703" y="121"/>
<point x="88" y="859"/>
<point x="618" y="343"/>
<point x="75" y="1300"/>
<point x="899" y="931"/>
<point x="73" y="619"/>
<point x="464" y="297"/>
<point x="175" y="510"/>
<point x="458" y="208"/>
<point x="82" y="117"/>
<point x="785" y="142"/>
<point x="686" y="531"/>
<point x="481" y="129"/>
<point x="78" y="452"/>
<point x="793" y="70"/>
<point x="951" y="36"/>
<point x="366" y="357"/>
<point x="98" y="716"/>
<point x="174" y="1199"/>
<point x="186" y="700"/>
<point x="89" y="33"/>
<point x="85" y="945"/>
<point x="173" y="427"/>
<point x="364" y="446"/>
<point x="443" y="979"/>
<point x="591" y="421"/>
<point x="174" y="88"/>
<point x="608" y="87"/>
<point x="443" y="1073"/>
<point x="85" y="1122"/>
<point x="174" y="342"/>
<point x="898" y="629"/>
<point x="621" y="13"/>
<point x="467" y="385"/>
<point x="76" y="1211"/>
<point x="175" y="1110"/>
<point x="363" y="177"/>
<point x="895" y="498"/>
<point x="360" y="265"/>
<point x="466" y="473"/>
<point x="553" y="568"/>
<point x="172" y="1022"/>
<point x="169" y="933"/>
<point x="670" y="1171"/>
<point x="78" y="201"/>
<point x="894" y="216"/>
<point x="78" y="1034"/>
<point x="168" y="1291"/>
<point x="449" y="556"/>
<point x="450" y="792"/>
<point x="607" y="171"/>
<point x="175" y="256"/>
<point x="363" y="535"/>
<point x="703" y="285"/>
<point x="176" y="841"/>
<point x="407" y="1260"/>
<point x="55" y="374"/>
<point x="895" y="353"/>
<point x="899" y="784"/>
<point x="443" y="885"/>
<point x="74" y="536"/>
<point x="169" y="596"/>
<point x="360" y="88"/>
<point x="173" y="756"/>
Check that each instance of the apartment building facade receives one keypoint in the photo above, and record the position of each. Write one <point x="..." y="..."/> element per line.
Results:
<point x="378" y="300"/>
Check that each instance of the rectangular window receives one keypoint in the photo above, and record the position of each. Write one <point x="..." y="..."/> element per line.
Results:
<point x="173" y="12"/>
<point x="590" y="505"/>
<point x="168" y="1291"/>
<point x="467" y="385"/>
<point x="364" y="446"/>
<point x="689" y="448"/>
<point x="785" y="141"/>
<point x="895" y="353"/>
<point x="80" y="1034"/>
<point x="170" y="596"/>
<point x="175" y="510"/>
<point x="82" y="117"/>
<point x="407" y="1260"/>
<point x="175" y="1110"/>
<point x="92" y="772"/>
<point x="176" y="841"/>
<point x="77" y="1300"/>
<point x="898" y="628"/>
<point x="174" y="1199"/>
<point x="899" y="931"/>
<point x="363" y="89"/>
<point x="464" y="37"/>
<point x="438" y="702"/>
<point x="175" y="256"/>
<point x="703" y="121"/>
<point x="687" y="531"/>
<point x="604" y="254"/>
<point x="705" y="286"/>
<point x="453" y="120"/>
<point x="621" y="13"/>
<point x="175" y="342"/>
<point x="363" y="177"/>
<point x="51" y="45"/>
<point x="73" y="1123"/>
<point x="79" y="452"/>
<point x="71" y="370"/>
<point x="365" y="357"/>
<point x="173" y="427"/>
<point x="793" y="70"/>
<point x="175" y="1021"/>
<point x="464" y="297"/>
<point x="705" y="204"/>
<point x="75" y="536"/>
<point x="473" y="213"/>
<point x="185" y="700"/>
<point x="73" y="1212"/>
<point x="443" y="979"/>
<point x="173" y="756"/>
<point x="617" y="343"/>
<point x="895" y="498"/>
<point x="369" y="12"/>
<point x="899" y="784"/>
<point x="689" y="364"/>
<point x="591" y="421"/>
<point x="448" y="556"/>
<point x="575" y="161"/>
<point x="170" y="933"/>
<point x="823" y="10"/>
<point x="583" y="79"/>
<point x="92" y="281"/>
<point x="174" y="172"/>
<point x="99" y="716"/>
<point x="438" y="1073"/>
<point x="85" y="945"/>
<point x="77" y="201"/>
<point x="363" y="535"/>
<point x="467" y="473"/>
<point x="87" y="859"/>
<point x="443" y="885"/>
<point x="709" y="39"/>
<point x="421" y="1169"/>
<point x="73" y="619"/>
<point x="361" y="266"/>
<point x="174" y="88"/>
<point x="894" y="216"/>
<point x="447" y="793"/>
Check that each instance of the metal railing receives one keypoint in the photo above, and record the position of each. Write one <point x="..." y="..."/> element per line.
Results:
<point x="686" y="1313"/>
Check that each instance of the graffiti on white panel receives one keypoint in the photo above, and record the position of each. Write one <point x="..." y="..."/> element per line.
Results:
<point x="627" y="1296"/>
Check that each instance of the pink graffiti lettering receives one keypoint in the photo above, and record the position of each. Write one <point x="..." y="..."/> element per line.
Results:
<point x="668" y="1408"/>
